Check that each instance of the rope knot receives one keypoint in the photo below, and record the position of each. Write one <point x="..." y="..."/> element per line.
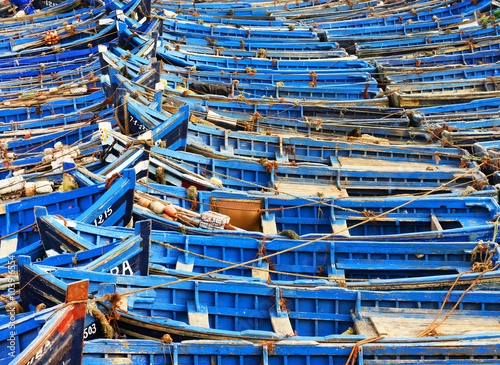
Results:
<point x="314" y="78"/>
<point x="111" y="180"/>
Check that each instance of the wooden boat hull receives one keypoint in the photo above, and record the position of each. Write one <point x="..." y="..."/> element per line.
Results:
<point x="52" y="336"/>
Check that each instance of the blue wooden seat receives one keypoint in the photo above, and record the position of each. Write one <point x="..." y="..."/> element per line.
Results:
<point x="350" y="264"/>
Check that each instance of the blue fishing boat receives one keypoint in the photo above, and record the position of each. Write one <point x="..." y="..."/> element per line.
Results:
<point x="272" y="54"/>
<point x="107" y="211"/>
<point x="402" y="266"/>
<point x="332" y="25"/>
<point x="47" y="11"/>
<point x="263" y="9"/>
<point x="85" y="114"/>
<point x="29" y="142"/>
<point x="296" y="94"/>
<point x="299" y="78"/>
<point x="371" y="129"/>
<point x="421" y="61"/>
<point x="53" y="335"/>
<point x="386" y="15"/>
<point x="292" y="148"/>
<point x="34" y="74"/>
<point x="368" y="32"/>
<point x="489" y="152"/>
<point x="127" y="256"/>
<point x="416" y="42"/>
<point x="467" y="138"/>
<point x="98" y="237"/>
<point x="231" y="64"/>
<point x="440" y="12"/>
<point x="40" y="108"/>
<point x="134" y="118"/>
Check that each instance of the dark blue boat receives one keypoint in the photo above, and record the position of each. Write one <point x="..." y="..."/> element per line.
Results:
<point x="300" y="208"/>
<point x="51" y="336"/>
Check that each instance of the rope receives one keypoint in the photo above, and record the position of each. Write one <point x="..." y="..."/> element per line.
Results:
<point x="111" y="179"/>
<point x="495" y="230"/>
<point x="64" y="219"/>
<point x="355" y="350"/>
<point x="18" y="231"/>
